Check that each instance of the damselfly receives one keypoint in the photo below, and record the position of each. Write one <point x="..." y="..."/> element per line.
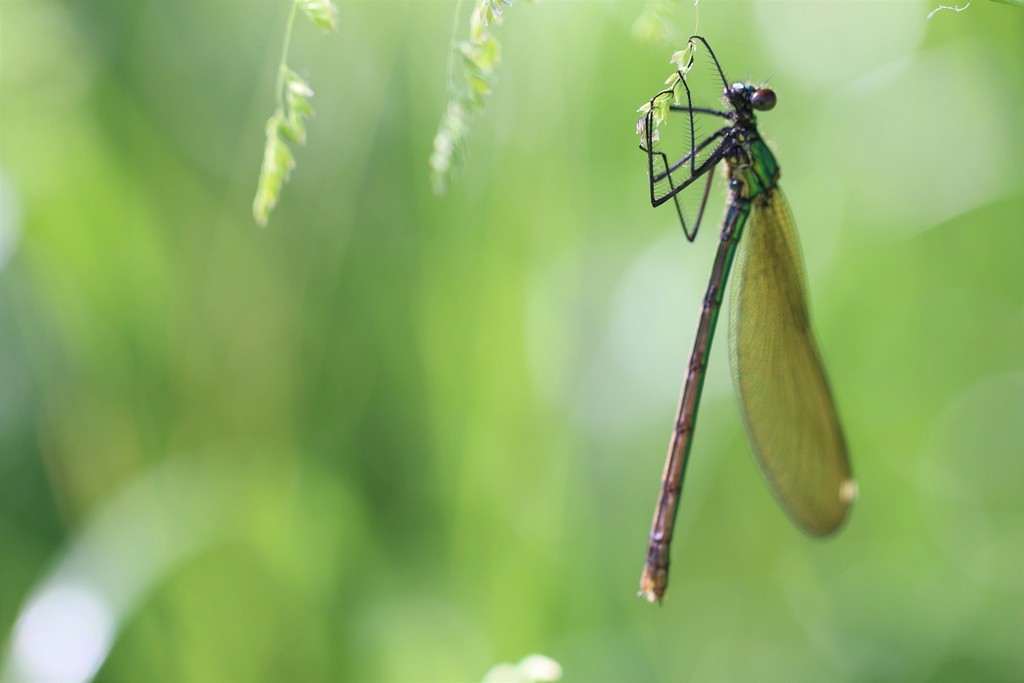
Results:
<point x="784" y="398"/>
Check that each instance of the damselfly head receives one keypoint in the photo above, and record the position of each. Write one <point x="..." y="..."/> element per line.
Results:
<point x="745" y="96"/>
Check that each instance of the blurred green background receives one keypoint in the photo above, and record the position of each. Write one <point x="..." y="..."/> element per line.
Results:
<point x="397" y="437"/>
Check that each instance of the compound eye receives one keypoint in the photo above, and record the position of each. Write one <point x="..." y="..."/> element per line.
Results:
<point x="763" y="99"/>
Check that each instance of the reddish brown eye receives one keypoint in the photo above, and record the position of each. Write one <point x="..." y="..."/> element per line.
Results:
<point x="763" y="99"/>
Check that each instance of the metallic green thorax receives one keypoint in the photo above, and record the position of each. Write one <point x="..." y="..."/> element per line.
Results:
<point x="753" y="167"/>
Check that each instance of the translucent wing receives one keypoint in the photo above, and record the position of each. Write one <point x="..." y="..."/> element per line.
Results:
<point x="784" y="397"/>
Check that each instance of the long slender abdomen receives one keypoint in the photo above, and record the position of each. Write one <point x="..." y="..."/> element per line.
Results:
<point x="654" y="579"/>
